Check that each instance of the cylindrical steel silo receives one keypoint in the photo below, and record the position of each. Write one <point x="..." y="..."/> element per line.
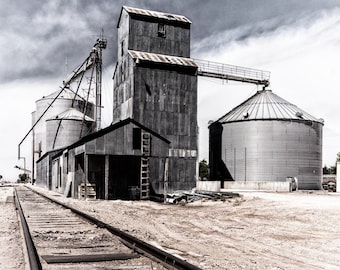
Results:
<point x="266" y="138"/>
<point x="61" y="104"/>
<point x="66" y="128"/>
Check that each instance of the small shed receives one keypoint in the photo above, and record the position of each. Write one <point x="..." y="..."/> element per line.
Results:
<point x="123" y="161"/>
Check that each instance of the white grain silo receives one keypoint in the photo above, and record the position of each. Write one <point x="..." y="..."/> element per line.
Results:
<point x="266" y="138"/>
<point x="66" y="100"/>
<point x="66" y="128"/>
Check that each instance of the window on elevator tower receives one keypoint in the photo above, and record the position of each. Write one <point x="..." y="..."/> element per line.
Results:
<point x="122" y="48"/>
<point x="161" y="30"/>
<point x="136" y="138"/>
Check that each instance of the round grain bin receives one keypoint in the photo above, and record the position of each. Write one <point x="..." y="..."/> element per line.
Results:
<point x="61" y="104"/>
<point x="66" y="128"/>
<point x="266" y="138"/>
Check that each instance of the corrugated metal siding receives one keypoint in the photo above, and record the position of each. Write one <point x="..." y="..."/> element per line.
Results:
<point x="68" y="132"/>
<point x="273" y="150"/>
<point x="60" y="105"/>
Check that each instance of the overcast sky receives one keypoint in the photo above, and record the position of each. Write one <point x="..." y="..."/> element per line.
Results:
<point x="297" y="41"/>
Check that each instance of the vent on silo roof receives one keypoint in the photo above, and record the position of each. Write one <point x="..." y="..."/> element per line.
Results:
<point x="299" y="114"/>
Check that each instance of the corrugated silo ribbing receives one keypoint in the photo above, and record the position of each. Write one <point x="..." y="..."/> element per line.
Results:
<point x="66" y="128"/>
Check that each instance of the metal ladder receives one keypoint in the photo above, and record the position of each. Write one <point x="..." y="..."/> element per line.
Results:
<point x="144" y="169"/>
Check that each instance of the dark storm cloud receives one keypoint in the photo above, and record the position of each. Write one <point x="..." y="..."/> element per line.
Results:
<point x="38" y="37"/>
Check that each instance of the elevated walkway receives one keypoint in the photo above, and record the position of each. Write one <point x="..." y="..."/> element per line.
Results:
<point x="232" y="73"/>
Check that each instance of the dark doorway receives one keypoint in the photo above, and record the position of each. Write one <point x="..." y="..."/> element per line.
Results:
<point x="97" y="174"/>
<point x="124" y="175"/>
<point x="80" y="173"/>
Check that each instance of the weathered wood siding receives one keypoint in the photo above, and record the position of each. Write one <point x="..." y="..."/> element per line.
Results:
<point x="171" y="109"/>
<point x="42" y="172"/>
<point x="143" y="36"/>
<point x="120" y="142"/>
<point x="123" y="83"/>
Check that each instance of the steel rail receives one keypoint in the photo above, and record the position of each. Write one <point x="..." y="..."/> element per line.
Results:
<point x="33" y="256"/>
<point x="134" y="243"/>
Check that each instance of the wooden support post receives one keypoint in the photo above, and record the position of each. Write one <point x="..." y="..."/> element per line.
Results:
<point x="86" y="174"/>
<point x="107" y="169"/>
<point x="166" y="178"/>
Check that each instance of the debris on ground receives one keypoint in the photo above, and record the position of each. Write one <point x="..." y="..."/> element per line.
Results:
<point x="188" y="197"/>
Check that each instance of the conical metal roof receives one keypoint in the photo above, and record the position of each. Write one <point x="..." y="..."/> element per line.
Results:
<point x="72" y="114"/>
<point x="265" y="105"/>
<point x="65" y="94"/>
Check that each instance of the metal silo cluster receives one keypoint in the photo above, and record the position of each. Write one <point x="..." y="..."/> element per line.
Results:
<point x="61" y="124"/>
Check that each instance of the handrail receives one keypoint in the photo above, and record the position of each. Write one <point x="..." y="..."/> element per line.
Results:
<point x="232" y="72"/>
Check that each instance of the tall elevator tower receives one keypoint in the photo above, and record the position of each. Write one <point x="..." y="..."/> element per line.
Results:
<point x="155" y="83"/>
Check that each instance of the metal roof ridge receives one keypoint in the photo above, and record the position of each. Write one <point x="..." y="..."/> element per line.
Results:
<point x="162" y="58"/>
<point x="156" y="14"/>
<point x="112" y="127"/>
<point x="71" y="114"/>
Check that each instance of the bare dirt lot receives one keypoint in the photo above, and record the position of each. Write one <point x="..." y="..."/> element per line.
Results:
<point x="299" y="230"/>
<point x="11" y="252"/>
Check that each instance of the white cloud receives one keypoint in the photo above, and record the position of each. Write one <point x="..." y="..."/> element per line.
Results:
<point x="304" y="63"/>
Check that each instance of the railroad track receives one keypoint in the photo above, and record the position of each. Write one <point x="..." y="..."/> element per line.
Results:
<point x="60" y="237"/>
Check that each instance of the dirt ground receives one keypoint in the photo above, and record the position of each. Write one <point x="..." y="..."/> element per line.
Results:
<point x="299" y="230"/>
<point x="11" y="247"/>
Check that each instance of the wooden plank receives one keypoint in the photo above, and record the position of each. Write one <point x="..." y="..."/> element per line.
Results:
<point x="107" y="169"/>
<point x="50" y="259"/>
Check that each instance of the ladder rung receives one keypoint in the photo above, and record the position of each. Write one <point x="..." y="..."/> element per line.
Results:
<point x="144" y="173"/>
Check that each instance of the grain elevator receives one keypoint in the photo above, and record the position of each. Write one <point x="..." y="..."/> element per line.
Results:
<point x="155" y="83"/>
